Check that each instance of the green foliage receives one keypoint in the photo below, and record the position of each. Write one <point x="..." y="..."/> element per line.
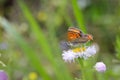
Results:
<point x="42" y="41"/>
<point x="118" y="47"/>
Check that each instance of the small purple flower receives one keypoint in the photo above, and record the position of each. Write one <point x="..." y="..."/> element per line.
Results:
<point x="100" y="67"/>
<point x="3" y="46"/>
<point x="3" y="75"/>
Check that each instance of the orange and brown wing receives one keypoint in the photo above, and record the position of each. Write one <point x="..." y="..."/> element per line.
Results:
<point x="74" y="33"/>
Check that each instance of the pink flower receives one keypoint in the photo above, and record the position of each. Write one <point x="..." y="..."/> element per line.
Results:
<point x="100" y="67"/>
<point x="3" y="75"/>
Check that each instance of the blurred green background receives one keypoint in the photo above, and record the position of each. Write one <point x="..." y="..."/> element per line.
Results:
<point x="31" y="31"/>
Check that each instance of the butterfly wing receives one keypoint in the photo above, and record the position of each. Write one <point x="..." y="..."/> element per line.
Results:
<point x="74" y="33"/>
<point x="64" y="45"/>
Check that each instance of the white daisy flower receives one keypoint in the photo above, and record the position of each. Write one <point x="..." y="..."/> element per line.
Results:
<point x="68" y="56"/>
<point x="82" y="52"/>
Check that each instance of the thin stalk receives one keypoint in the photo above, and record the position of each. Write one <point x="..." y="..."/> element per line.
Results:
<point x="100" y="76"/>
<point x="78" y="15"/>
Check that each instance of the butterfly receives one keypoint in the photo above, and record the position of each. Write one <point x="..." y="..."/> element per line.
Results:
<point x="76" y="36"/>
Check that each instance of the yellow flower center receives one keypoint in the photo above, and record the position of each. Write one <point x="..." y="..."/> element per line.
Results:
<point x="79" y="49"/>
<point x="33" y="76"/>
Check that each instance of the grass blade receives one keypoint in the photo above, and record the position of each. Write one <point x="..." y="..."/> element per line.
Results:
<point x="42" y="41"/>
<point x="78" y="15"/>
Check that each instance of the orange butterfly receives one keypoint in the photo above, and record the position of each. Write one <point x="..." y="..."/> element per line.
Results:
<point x="76" y="36"/>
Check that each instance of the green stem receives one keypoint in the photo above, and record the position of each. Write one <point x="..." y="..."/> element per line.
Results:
<point x="82" y="68"/>
<point x="100" y="76"/>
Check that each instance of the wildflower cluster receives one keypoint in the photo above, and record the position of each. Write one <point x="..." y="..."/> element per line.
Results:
<point x="84" y="53"/>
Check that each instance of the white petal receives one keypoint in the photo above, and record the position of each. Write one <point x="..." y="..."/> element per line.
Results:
<point x="68" y="56"/>
<point x="90" y="51"/>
